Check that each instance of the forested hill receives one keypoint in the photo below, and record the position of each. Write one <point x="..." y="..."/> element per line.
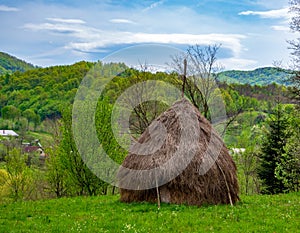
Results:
<point x="44" y="90"/>
<point x="260" y="76"/>
<point x="10" y="64"/>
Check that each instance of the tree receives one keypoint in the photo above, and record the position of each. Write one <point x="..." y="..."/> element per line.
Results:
<point x="272" y="150"/>
<point x="201" y="74"/>
<point x="288" y="170"/>
<point x="10" y="112"/>
<point x="295" y="27"/>
<point x="142" y="93"/>
<point x="295" y="47"/>
<point x="19" y="176"/>
<point x="56" y="175"/>
<point x="31" y="116"/>
<point x="105" y="134"/>
<point x="247" y="159"/>
<point x="82" y="180"/>
<point x="4" y="185"/>
<point x="104" y="127"/>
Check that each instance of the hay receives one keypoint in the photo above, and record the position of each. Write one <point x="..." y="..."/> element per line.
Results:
<point x="218" y="185"/>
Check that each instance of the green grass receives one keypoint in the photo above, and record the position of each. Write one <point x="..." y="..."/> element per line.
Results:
<point x="278" y="213"/>
<point x="46" y="139"/>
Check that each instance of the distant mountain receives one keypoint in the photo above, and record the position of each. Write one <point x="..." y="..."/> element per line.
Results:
<point x="260" y="76"/>
<point x="10" y="64"/>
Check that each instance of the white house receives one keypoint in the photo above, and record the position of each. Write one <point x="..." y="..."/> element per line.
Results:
<point x="8" y="133"/>
<point x="238" y="151"/>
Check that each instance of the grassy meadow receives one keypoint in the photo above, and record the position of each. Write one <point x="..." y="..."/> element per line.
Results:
<point x="257" y="213"/>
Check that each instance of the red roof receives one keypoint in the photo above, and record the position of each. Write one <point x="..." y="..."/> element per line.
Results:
<point x="29" y="149"/>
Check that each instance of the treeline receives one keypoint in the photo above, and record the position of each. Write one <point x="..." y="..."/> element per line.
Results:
<point x="45" y="91"/>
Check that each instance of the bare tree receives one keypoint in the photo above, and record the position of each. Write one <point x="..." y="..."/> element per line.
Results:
<point x="294" y="45"/>
<point x="202" y="70"/>
<point x="142" y="100"/>
<point x="201" y="84"/>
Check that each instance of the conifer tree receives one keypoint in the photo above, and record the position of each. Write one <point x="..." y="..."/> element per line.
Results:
<point x="272" y="151"/>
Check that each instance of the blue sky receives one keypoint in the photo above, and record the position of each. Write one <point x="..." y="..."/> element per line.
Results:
<point x="51" y="32"/>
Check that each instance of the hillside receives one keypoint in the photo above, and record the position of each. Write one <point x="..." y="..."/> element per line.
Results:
<point x="10" y="64"/>
<point x="260" y="76"/>
<point x="47" y="90"/>
<point x="44" y="90"/>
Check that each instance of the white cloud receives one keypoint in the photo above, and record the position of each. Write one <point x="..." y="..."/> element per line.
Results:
<point x="103" y="39"/>
<point x="272" y="14"/>
<point x="281" y="28"/>
<point x="122" y="21"/>
<point x="68" y="21"/>
<point x="238" y="63"/>
<point x="58" y="25"/>
<point x="62" y="28"/>
<point x="8" y="8"/>
<point x="282" y="14"/>
<point x="154" y="5"/>
<point x="88" y="39"/>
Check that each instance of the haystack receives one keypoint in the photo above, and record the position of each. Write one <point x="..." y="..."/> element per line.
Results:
<point x="175" y="173"/>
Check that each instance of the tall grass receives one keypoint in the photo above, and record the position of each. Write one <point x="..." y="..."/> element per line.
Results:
<point x="277" y="213"/>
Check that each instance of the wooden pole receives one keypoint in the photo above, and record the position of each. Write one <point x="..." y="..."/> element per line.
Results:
<point x="157" y="188"/>
<point x="157" y="193"/>
<point x="184" y="77"/>
<point x="226" y="183"/>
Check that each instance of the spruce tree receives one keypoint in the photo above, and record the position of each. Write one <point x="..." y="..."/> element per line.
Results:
<point x="272" y="150"/>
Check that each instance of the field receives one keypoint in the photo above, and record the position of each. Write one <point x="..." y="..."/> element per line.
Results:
<point x="277" y="213"/>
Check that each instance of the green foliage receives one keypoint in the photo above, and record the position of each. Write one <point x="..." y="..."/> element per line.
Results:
<point x="31" y="117"/>
<point x="56" y="175"/>
<point x="260" y="76"/>
<point x="105" y="134"/>
<point x="82" y="181"/>
<point x="43" y="90"/>
<point x="10" y="112"/>
<point x="19" y="176"/>
<point x="4" y="185"/>
<point x="143" y="114"/>
<point x="247" y="160"/>
<point x="276" y="213"/>
<point x="288" y="168"/>
<point x="10" y="64"/>
<point x="46" y="91"/>
<point x="272" y="150"/>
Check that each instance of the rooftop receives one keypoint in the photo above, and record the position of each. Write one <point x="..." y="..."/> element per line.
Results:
<point x="8" y="133"/>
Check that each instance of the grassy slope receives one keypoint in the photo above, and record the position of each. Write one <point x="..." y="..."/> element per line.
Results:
<point x="278" y="213"/>
<point x="46" y="139"/>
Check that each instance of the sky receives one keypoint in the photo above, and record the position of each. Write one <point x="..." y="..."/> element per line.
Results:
<point x="252" y="33"/>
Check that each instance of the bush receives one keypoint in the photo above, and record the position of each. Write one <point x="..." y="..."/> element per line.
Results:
<point x="18" y="176"/>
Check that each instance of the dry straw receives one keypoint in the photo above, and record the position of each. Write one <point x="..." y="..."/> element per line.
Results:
<point x="218" y="185"/>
